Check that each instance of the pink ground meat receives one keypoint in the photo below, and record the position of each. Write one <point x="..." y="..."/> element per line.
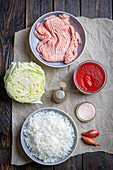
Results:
<point x="59" y="41"/>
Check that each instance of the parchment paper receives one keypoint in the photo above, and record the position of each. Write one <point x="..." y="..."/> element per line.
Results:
<point x="99" y="47"/>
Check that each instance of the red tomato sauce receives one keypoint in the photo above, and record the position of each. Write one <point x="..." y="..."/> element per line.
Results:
<point x="90" y="76"/>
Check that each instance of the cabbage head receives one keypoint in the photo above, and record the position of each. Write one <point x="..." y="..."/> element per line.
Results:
<point x="24" y="82"/>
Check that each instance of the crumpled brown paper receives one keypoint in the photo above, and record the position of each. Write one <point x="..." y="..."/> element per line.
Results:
<point x="99" y="47"/>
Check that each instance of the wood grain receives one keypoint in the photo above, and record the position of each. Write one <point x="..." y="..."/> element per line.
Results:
<point x="19" y="14"/>
<point x="37" y="8"/>
<point x="93" y="9"/>
<point x="59" y="5"/>
<point x="73" y="7"/>
<point x="96" y="8"/>
<point x="32" y="11"/>
<point x="98" y="160"/>
<point x="11" y="20"/>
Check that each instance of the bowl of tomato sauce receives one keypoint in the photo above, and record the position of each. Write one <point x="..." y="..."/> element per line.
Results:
<point x="90" y="77"/>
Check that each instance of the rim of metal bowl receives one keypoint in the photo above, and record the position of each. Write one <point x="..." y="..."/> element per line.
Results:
<point x="65" y="65"/>
<point x="75" y="81"/>
<point x="71" y="120"/>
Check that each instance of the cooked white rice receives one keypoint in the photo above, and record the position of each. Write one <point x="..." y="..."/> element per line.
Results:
<point x="49" y="136"/>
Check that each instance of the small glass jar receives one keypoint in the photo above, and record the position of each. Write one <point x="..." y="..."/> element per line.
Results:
<point x="85" y="111"/>
<point x="86" y="91"/>
<point x="59" y="96"/>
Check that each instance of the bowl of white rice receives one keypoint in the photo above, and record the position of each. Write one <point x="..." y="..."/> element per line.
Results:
<point x="49" y="136"/>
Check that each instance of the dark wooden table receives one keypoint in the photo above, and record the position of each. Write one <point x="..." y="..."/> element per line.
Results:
<point x="19" y="14"/>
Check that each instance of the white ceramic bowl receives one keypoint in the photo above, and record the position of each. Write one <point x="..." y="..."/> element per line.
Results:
<point x="26" y="149"/>
<point x="33" y="40"/>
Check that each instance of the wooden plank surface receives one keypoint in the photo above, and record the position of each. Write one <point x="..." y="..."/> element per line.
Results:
<point x="37" y="8"/>
<point x="98" y="160"/>
<point x="93" y="9"/>
<point x="11" y="20"/>
<point x="96" y="8"/>
<point x="19" y="14"/>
